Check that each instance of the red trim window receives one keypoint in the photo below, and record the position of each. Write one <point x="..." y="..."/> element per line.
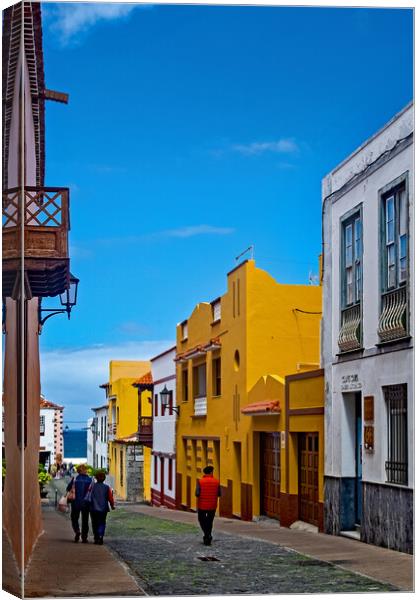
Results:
<point x="170" y="471"/>
<point x="171" y="402"/>
<point x="156" y="405"/>
<point x="155" y="460"/>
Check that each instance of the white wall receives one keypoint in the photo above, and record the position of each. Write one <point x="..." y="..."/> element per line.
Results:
<point x="163" y="372"/>
<point x="374" y="369"/>
<point x="47" y="441"/>
<point x="101" y="442"/>
<point x="89" y="441"/>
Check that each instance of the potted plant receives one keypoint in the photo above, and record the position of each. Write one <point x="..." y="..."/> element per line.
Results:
<point x="43" y="479"/>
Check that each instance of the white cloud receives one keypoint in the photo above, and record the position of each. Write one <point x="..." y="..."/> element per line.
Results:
<point x="131" y="327"/>
<point x="193" y="230"/>
<point x="181" y="232"/>
<point x="281" y="146"/>
<point x="71" y="377"/>
<point x="71" y="19"/>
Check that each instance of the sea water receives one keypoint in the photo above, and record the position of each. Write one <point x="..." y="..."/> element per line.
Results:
<point x="75" y="443"/>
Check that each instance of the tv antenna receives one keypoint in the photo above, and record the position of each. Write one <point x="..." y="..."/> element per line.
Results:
<point x="249" y="249"/>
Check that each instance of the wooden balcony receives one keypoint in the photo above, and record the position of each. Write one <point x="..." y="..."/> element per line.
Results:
<point x="145" y="432"/>
<point x="349" y="337"/>
<point x="45" y="215"/>
<point x="393" y="320"/>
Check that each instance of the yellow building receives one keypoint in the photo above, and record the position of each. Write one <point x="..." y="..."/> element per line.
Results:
<point x="128" y="460"/>
<point x="232" y="358"/>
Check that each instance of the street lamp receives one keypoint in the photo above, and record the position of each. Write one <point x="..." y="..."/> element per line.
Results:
<point x="68" y="299"/>
<point x="164" y="398"/>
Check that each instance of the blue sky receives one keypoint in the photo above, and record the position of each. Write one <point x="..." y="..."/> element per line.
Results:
<point x="191" y="133"/>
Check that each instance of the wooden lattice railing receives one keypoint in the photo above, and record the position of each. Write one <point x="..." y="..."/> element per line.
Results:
<point x="393" y="320"/>
<point x="349" y="337"/>
<point x="45" y="214"/>
<point x="43" y="207"/>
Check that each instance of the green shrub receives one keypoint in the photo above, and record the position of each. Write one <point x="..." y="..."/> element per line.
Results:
<point x="43" y="477"/>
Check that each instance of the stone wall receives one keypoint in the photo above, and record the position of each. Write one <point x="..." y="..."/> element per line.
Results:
<point x="134" y="473"/>
<point x="332" y="521"/>
<point x="387" y="517"/>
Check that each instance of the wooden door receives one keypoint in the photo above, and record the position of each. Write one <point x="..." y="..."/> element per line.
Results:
<point x="308" y="477"/>
<point x="270" y="470"/>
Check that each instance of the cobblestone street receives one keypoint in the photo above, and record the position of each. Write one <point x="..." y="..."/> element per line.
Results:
<point x="169" y="558"/>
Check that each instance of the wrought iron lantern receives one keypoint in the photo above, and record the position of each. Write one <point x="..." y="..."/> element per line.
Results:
<point x="164" y="398"/>
<point x="68" y="299"/>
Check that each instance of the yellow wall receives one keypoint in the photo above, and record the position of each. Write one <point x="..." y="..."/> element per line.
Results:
<point x="259" y="320"/>
<point x="123" y="403"/>
<point x="307" y="393"/>
<point x="147" y="456"/>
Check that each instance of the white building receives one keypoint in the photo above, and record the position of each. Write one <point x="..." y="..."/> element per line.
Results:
<point x="98" y="438"/>
<point x="367" y="339"/>
<point x="50" y="431"/>
<point x="163" y="473"/>
<point x="89" y="443"/>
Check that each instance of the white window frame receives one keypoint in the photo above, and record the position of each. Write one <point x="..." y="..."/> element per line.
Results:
<point x="394" y="255"/>
<point x="352" y="258"/>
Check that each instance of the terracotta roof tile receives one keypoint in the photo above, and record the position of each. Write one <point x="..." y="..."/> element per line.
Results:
<point x="47" y="404"/>
<point x="262" y="408"/>
<point x="200" y="348"/>
<point x="145" y="379"/>
<point x="127" y="439"/>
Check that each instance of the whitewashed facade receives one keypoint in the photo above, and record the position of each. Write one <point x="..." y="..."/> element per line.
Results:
<point x="50" y="431"/>
<point x="98" y="438"/>
<point x="89" y="444"/>
<point x="367" y="339"/>
<point x="163" y="471"/>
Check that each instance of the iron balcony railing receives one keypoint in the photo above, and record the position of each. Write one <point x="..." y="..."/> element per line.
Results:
<point x="393" y="320"/>
<point x="349" y="337"/>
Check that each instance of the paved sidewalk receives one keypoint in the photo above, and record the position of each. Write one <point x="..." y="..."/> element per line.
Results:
<point x="59" y="567"/>
<point x="381" y="564"/>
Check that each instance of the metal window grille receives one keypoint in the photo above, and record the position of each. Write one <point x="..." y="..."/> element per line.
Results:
<point x="397" y="464"/>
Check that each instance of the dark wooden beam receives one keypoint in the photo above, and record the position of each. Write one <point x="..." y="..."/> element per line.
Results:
<point x="56" y="96"/>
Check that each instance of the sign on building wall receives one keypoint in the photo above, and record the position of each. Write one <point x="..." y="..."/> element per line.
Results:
<point x="350" y="383"/>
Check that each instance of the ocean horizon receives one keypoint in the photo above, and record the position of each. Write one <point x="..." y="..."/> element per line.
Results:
<point x="75" y="443"/>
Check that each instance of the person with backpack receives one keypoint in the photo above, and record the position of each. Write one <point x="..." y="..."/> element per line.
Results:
<point x="207" y="491"/>
<point x="100" y="497"/>
<point x="76" y="492"/>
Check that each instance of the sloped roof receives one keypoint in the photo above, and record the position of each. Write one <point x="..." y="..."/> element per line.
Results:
<point x="199" y="349"/>
<point x="128" y="439"/>
<point x="47" y="404"/>
<point x="265" y="407"/>
<point x="145" y="379"/>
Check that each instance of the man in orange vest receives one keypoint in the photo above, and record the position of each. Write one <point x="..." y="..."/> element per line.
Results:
<point x="207" y="492"/>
